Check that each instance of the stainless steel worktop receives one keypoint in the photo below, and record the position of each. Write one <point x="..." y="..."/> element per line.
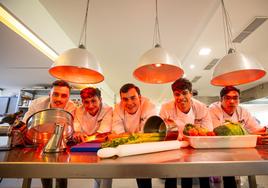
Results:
<point x="188" y="162"/>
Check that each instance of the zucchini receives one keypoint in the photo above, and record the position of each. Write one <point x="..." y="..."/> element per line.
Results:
<point x="134" y="139"/>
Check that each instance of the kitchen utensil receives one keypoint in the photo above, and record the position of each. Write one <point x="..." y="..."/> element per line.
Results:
<point x="56" y="143"/>
<point x="142" y="148"/>
<point x="41" y="125"/>
<point x="156" y="124"/>
<point x="86" y="147"/>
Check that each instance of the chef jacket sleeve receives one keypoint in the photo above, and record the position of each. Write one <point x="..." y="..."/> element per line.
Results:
<point x="206" y="120"/>
<point x="165" y="112"/>
<point x="250" y="124"/>
<point x="31" y="110"/>
<point x="216" y="120"/>
<point x="149" y="109"/>
<point x="118" y="122"/>
<point x="77" y="119"/>
<point x="106" y="122"/>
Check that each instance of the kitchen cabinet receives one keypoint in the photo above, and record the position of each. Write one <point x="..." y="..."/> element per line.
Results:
<point x="27" y="95"/>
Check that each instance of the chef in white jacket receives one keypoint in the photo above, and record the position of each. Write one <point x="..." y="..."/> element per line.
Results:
<point x="59" y="97"/>
<point x="185" y="109"/>
<point x="130" y="116"/>
<point x="180" y="111"/>
<point x="93" y="116"/>
<point x="132" y="112"/>
<point x="228" y="109"/>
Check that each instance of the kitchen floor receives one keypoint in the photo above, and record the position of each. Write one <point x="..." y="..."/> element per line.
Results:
<point x="262" y="182"/>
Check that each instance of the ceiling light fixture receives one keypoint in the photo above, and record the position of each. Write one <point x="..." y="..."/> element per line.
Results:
<point x="78" y="65"/>
<point x="192" y="66"/>
<point x="234" y="68"/>
<point x="204" y="51"/>
<point x="14" y="24"/>
<point x="157" y="65"/>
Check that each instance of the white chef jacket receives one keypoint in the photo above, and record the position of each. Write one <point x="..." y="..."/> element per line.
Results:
<point x="132" y="123"/>
<point x="241" y="115"/>
<point x="198" y="114"/>
<point x="88" y="124"/>
<point x="43" y="103"/>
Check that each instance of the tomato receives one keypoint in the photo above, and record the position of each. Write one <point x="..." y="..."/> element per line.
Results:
<point x="193" y="132"/>
<point x="202" y="132"/>
<point x="211" y="133"/>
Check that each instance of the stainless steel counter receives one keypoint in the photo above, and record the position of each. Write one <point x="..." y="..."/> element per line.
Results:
<point x="31" y="163"/>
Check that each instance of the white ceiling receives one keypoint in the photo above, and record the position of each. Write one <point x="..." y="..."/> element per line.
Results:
<point x="120" y="31"/>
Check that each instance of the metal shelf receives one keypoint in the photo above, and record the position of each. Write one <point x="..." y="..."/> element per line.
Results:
<point x="46" y="91"/>
<point x="29" y="94"/>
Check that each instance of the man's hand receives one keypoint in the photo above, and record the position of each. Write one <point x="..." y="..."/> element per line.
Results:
<point x="79" y="137"/>
<point x="263" y="136"/>
<point x="11" y="118"/>
<point x="17" y="138"/>
<point x="18" y="133"/>
<point x="262" y="131"/>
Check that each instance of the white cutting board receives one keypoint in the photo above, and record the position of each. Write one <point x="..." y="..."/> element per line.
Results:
<point x="142" y="148"/>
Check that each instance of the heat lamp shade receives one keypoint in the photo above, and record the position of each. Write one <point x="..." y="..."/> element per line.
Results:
<point x="236" y="69"/>
<point x="77" y="65"/>
<point x="157" y="66"/>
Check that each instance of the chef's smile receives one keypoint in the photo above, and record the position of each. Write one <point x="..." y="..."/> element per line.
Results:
<point x="130" y="101"/>
<point x="183" y="99"/>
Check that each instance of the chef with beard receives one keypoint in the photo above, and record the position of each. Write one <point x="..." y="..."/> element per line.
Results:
<point x="59" y="97"/>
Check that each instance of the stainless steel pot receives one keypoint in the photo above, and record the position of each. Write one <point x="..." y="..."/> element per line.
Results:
<point x="41" y="125"/>
<point x="155" y="124"/>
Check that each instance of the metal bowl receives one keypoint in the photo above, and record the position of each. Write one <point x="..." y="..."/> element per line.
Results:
<point x="155" y="124"/>
<point x="41" y="125"/>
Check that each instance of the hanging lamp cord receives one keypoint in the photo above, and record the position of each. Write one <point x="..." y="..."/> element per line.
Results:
<point x="229" y="45"/>
<point x="84" y="30"/>
<point x="156" y="37"/>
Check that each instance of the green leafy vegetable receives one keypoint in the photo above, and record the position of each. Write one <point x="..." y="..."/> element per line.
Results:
<point x="187" y="127"/>
<point x="230" y="128"/>
<point x="134" y="139"/>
